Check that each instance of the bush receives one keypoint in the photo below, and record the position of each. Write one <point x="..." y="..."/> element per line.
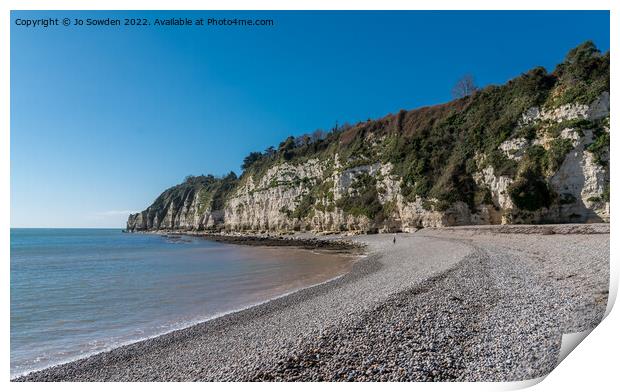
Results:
<point x="502" y="165"/>
<point x="483" y="196"/>
<point x="567" y="198"/>
<point x="304" y="208"/>
<point x="583" y="75"/>
<point x="530" y="192"/>
<point x="600" y="148"/>
<point x="605" y="194"/>
<point x="251" y="159"/>
<point x="557" y="153"/>
<point x="363" y="198"/>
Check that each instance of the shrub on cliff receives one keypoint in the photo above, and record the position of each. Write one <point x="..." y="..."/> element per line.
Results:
<point x="583" y="75"/>
<point x="600" y="148"/>
<point x="530" y="190"/>
<point x="362" y="199"/>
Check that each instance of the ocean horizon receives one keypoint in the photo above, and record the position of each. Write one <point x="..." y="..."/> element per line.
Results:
<point x="76" y="292"/>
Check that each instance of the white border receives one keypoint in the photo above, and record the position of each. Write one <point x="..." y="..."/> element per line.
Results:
<point x="592" y="365"/>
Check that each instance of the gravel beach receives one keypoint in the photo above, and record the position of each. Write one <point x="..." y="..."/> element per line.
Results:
<point x="455" y="304"/>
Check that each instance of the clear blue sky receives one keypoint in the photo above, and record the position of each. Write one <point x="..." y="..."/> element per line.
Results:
<point x="104" y="119"/>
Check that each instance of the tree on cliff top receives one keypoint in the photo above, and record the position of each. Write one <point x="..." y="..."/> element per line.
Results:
<point x="464" y="87"/>
<point x="250" y="159"/>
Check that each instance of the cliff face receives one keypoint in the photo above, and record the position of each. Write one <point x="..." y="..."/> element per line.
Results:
<point x="535" y="150"/>
<point x="196" y="204"/>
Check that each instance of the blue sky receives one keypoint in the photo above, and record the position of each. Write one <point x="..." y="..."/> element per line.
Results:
<point x="104" y="119"/>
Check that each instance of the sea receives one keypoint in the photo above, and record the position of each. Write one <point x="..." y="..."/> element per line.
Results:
<point x="77" y="292"/>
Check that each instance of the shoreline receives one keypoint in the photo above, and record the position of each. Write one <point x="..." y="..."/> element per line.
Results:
<point x="307" y="242"/>
<point x="236" y="315"/>
<point x="341" y="249"/>
<point x="282" y="350"/>
<point x="189" y="325"/>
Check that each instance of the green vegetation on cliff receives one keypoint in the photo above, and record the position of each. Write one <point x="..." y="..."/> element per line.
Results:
<point x="362" y="199"/>
<point x="211" y="191"/>
<point x="436" y="152"/>
<point x="435" y="149"/>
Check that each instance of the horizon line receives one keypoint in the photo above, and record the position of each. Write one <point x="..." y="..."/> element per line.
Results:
<point x="34" y="227"/>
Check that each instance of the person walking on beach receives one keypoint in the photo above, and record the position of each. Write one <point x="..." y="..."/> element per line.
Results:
<point x="394" y="240"/>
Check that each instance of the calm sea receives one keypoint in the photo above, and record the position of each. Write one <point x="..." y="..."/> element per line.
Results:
<point x="75" y="292"/>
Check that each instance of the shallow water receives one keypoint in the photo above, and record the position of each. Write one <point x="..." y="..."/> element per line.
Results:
<point x="75" y="292"/>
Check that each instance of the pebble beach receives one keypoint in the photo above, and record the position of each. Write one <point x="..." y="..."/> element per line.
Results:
<point x="455" y="304"/>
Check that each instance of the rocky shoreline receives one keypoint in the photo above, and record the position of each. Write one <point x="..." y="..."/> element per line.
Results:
<point x="437" y="305"/>
<point x="292" y="241"/>
<point x="337" y="242"/>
